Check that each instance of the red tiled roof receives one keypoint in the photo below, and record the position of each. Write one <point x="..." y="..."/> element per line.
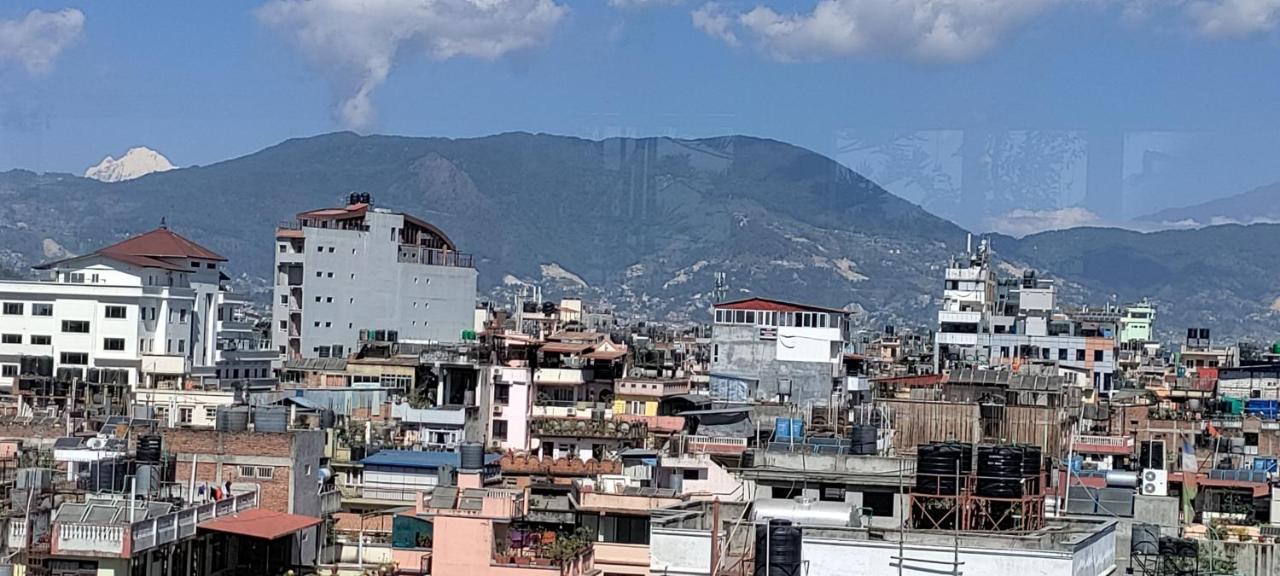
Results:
<point x="153" y="249"/>
<point x="261" y="524"/>
<point x="567" y="348"/>
<point x="771" y="305"/>
<point x="160" y="243"/>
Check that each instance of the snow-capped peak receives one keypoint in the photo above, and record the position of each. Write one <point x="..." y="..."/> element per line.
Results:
<point x="135" y="163"/>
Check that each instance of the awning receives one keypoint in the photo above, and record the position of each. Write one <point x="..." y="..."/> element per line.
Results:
<point x="719" y="416"/>
<point x="260" y="524"/>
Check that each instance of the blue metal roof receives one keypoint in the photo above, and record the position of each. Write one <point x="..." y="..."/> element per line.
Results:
<point x="417" y="459"/>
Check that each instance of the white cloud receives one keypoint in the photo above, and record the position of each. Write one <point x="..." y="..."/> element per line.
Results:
<point x="642" y="3"/>
<point x="1234" y="18"/>
<point x="713" y="20"/>
<point x="358" y="40"/>
<point x="38" y="38"/>
<point x="1022" y="222"/>
<point x="939" y="30"/>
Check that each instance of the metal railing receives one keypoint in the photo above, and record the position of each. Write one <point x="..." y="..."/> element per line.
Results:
<point x="109" y="539"/>
<point x="410" y="254"/>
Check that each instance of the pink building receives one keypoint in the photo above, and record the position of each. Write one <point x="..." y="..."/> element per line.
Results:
<point x="473" y="537"/>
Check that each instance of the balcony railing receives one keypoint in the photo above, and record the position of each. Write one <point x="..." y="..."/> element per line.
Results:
<point x="109" y="540"/>
<point x="410" y="254"/>
<point x="690" y="444"/>
<point x="569" y="376"/>
<point x="330" y="501"/>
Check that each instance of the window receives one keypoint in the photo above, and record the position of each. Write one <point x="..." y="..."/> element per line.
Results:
<point x="499" y="429"/>
<point x="715" y="352"/>
<point x="319" y="248"/>
<point x="1079" y="355"/>
<point x="184" y="415"/>
<point x="182" y="345"/>
<point x="319" y="274"/>
<point x="11" y="339"/>
<point x="79" y="358"/>
<point x="328" y="300"/>
<point x="195" y="264"/>
<point x="282" y="248"/>
<point x="284" y="298"/>
<point x="831" y="493"/>
<point x="210" y="266"/>
<point x="116" y="312"/>
<point x="1097" y="355"/>
<point x="283" y="326"/>
<point x="113" y="344"/>
<point x="329" y="274"/>
<point x="13" y="308"/>
<point x="1004" y="351"/>
<point x="182" y="316"/>
<point x="75" y="278"/>
<point x="880" y="503"/>
<point x="634" y="407"/>
<point x="331" y="249"/>
<point x="9" y="370"/>
<point x="321" y="351"/>
<point x="502" y="394"/>
<point x="41" y="340"/>
<point x="1062" y="354"/>
<point x="75" y="326"/>
<point x="692" y="473"/>
<point x="317" y="298"/>
<point x="263" y="472"/>
<point x="42" y="309"/>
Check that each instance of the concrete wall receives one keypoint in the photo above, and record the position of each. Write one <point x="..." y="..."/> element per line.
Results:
<point x="738" y="351"/>
<point x="360" y="285"/>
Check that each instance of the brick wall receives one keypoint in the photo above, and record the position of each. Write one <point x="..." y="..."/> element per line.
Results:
<point x="226" y="447"/>
<point x="183" y="441"/>
<point x="274" y="492"/>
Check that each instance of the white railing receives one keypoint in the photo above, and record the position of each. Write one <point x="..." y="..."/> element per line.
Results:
<point x="330" y="501"/>
<point x="17" y="534"/>
<point x="708" y="445"/>
<point x="1107" y="441"/>
<point x="559" y="376"/>
<point x="109" y="539"/>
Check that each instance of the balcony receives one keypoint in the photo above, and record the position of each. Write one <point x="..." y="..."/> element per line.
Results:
<point x="122" y="540"/>
<point x="553" y="409"/>
<point x="651" y="388"/>
<point x="1115" y="445"/>
<point x="957" y="339"/>
<point x="967" y="317"/>
<point x="235" y="326"/>
<point x="584" y="428"/>
<point x="232" y="353"/>
<point x="559" y="376"/>
<point x="689" y="444"/>
<point x="164" y="364"/>
<point x="330" y="501"/>
<point x="411" y="254"/>
<point x="454" y="416"/>
<point x="969" y="274"/>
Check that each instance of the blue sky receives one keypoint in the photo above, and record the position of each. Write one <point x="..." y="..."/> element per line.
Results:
<point x="203" y="82"/>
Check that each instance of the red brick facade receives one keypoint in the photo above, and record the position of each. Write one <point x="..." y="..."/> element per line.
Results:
<point x="226" y="447"/>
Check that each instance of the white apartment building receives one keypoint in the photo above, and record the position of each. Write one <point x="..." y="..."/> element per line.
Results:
<point x="341" y="272"/>
<point x="146" y="312"/>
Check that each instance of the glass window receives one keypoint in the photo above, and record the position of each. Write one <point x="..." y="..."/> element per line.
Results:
<point x="11" y="339"/>
<point x="115" y="312"/>
<point x="75" y="326"/>
<point x="42" y="309"/>
<point x="13" y="308"/>
<point x="114" y="344"/>
<point x="41" y="340"/>
<point x="78" y="358"/>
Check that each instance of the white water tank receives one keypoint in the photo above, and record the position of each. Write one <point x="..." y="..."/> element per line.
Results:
<point x="804" y="511"/>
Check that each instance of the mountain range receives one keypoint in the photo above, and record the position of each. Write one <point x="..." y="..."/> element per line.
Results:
<point x="644" y="225"/>
<point x="1261" y="204"/>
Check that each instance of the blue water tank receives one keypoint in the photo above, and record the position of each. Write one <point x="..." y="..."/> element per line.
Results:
<point x="1264" y="464"/>
<point x="788" y="429"/>
<point x="1269" y="409"/>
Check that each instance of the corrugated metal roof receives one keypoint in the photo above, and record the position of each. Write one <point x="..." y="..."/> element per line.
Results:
<point x="316" y="364"/>
<point x="260" y="523"/>
<point x="417" y="459"/>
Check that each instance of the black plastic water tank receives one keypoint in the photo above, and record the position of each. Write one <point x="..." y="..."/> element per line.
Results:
<point x="149" y="448"/>
<point x="778" y="549"/>
<point x="472" y="456"/>
<point x="1031" y="463"/>
<point x="862" y="439"/>
<point x="999" y="472"/>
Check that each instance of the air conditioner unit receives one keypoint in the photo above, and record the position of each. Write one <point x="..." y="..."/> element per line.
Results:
<point x="571" y="411"/>
<point x="1154" y="482"/>
<point x="497" y="410"/>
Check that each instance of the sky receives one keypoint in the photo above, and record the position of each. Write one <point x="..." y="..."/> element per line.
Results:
<point x="1069" y="109"/>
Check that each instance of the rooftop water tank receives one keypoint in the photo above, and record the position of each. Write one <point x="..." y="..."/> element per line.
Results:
<point x="805" y="512"/>
<point x="472" y="456"/>
<point x="778" y="549"/>
<point x="271" y="419"/>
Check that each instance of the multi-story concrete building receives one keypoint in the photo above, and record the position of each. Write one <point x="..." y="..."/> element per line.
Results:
<point x="988" y="321"/>
<point x="340" y="271"/>
<point x="145" y="312"/>
<point x="764" y="349"/>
